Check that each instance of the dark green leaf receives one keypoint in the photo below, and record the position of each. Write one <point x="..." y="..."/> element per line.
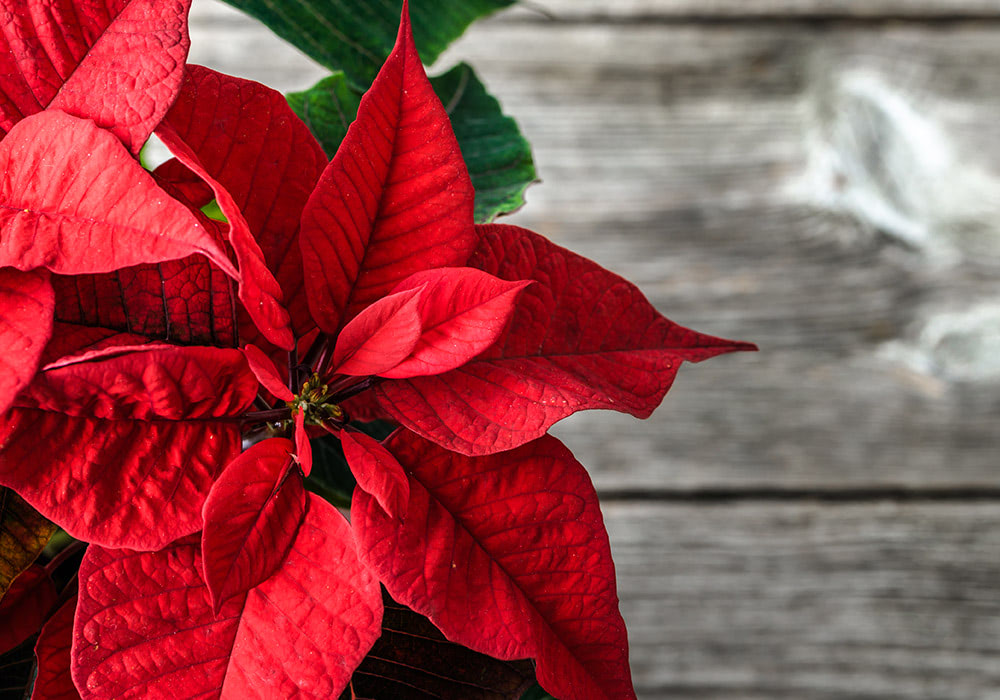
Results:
<point x="330" y="477"/>
<point x="412" y="659"/>
<point x="23" y="534"/>
<point x="327" y="108"/>
<point x="536" y="692"/>
<point x="497" y="156"/>
<point x="355" y="36"/>
<point x="17" y="668"/>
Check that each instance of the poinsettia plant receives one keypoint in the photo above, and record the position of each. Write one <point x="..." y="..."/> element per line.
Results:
<point x="184" y="344"/>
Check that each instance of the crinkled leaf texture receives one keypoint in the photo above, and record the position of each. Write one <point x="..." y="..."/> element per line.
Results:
<point x="117" y="62"/>
<point x="246" y="138"/>
<point x="188" y="301"/>
<point x="581" y="337"/>
<point x="252" y="515"/>
<point x="52" y="650"/>
<point x="121" y="447"/>
<point x="23" y="535"/>
<point x="27" y="304"/>
<point x="396" y="199"/>
<point x="508" y="555"/>
<point x="145" y="626"/>
<point x="96" y="209"/>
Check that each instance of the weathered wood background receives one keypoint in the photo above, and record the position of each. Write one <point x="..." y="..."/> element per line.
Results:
<point x="822" y="177"/>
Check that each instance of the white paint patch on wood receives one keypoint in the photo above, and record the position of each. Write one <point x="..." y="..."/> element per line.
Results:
<point x="956" y="345"/>
<point x="877" y="154"/>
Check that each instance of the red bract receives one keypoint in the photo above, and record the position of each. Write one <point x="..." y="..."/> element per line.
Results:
<point x="247" y="138"/>
<point x="433" y="322"/>
<point x="251" y="517"/>
<point x="26" y="605"/>
<point x="581" y="338"/>
<point x="96" y="209"/>
<point x="396" y="198"/>
<point x="121" y="447"/>
<point x="27" y="302"/>
<point x="506" y="554"/>
<point x="117" y="62"/>
<point x="53" y="652"/>
<point x="299" y="634"/>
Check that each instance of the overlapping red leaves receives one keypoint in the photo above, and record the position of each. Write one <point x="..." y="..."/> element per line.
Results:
<point x="363" y="284"/>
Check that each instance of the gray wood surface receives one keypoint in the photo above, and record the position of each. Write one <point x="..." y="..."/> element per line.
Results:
<point x="698" y="10"/>
<point x="784" y="601"/>
<point x="818" y="520"/>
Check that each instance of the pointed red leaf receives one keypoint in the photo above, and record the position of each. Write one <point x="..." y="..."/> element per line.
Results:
<point x="435" y="321"/>
<point x="122" y="447"/>
<point x="145" y="626"/>
<point x="377" y="471"/>
<point x="95" y="210"/>
<point x="463" y="312"/>
<point x="251" y="516"/>
<point x="27" y="304"/>
<point x="117" y="62"/>
<point x="508" y="555"/>
<point x="52" y="651"/>
<point x="25" y="606"/>
<point x="303" y="448"/>
<point x="396" y="198"/>
<point x="248" y="139"/>
<point x="259" y="291"/>
<point x="581" y="338"/>
<point x="266" y="373"/>
<point x="381" y="336"/>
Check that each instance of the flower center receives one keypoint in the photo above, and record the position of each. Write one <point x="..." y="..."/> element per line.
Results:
<point x="315" y="398"/>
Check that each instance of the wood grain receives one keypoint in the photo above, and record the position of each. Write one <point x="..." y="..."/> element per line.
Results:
<point x="775" y="601"/>
<point x="702" y="10"/>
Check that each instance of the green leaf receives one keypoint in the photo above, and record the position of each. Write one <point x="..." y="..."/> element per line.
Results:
<point x="330" y="478"/>
<point x="536" y="692"/>
<point x="497" y="156"/>
<point x="327" y="108"/>
<point x="355" y="36"/>
<point x="17" y="670"/>
<point x="23" y="534"/>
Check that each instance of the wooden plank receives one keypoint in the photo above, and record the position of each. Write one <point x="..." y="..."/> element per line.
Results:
<point x="773" y="601"/>
<point x="702" y="10"/>
<point x="736" y="174"/>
